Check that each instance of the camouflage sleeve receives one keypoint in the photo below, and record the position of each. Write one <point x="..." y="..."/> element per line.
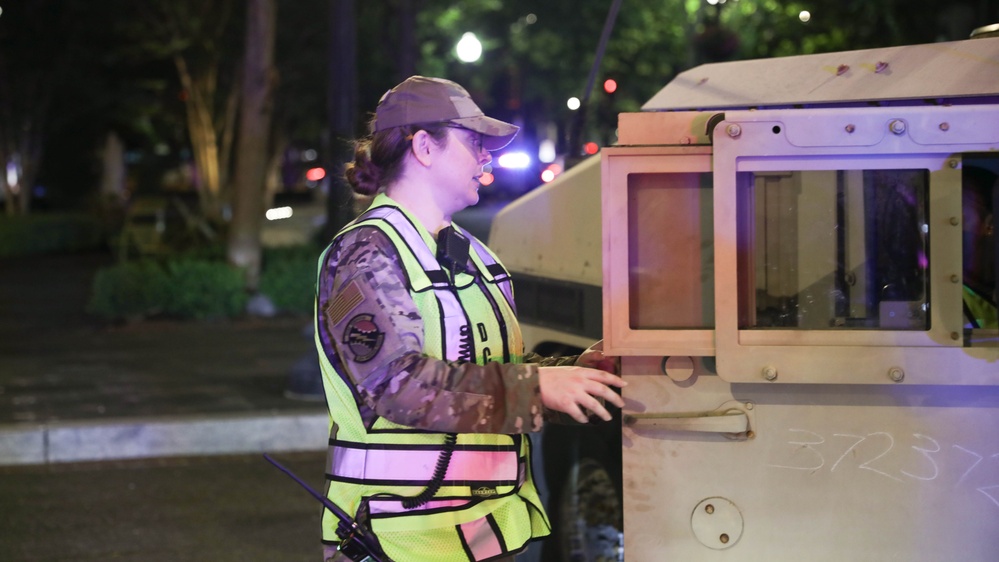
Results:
<point x="376" y="331"/>
<point x="542" y="361"/>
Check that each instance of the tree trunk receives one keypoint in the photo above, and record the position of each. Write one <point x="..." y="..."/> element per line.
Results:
<point x="252" y="141"/>
<point x="342" y="107"/>
<point x="408" y="47"/>
<point x="200" y="91"/>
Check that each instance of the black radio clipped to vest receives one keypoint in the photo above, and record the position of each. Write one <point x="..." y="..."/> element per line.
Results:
<point x="452" y="250"/>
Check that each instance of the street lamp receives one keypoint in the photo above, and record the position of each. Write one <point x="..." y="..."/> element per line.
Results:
<point x="468" y="49"/>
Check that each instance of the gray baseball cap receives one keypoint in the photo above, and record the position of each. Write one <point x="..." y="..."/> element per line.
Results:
<point x="419" y="100"/>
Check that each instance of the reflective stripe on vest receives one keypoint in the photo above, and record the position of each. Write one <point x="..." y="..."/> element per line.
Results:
<point x="495" y="272"/>
<point x="408" y="466"/>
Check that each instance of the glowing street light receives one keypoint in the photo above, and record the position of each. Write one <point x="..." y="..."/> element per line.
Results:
<point x="573" y="103"/>
<point x="804" y="16"/>
<point x="468" y="49"/>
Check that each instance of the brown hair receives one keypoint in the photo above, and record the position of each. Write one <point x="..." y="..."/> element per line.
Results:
<point x="378" y="157"/>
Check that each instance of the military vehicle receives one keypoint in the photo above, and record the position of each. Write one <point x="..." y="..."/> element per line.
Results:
<point x="795" y="260"/>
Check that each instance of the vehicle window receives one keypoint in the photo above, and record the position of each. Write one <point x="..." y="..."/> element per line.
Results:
<point x="834" y="249"/>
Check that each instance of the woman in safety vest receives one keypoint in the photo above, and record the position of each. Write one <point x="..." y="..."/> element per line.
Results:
<point x="429" y="392"/>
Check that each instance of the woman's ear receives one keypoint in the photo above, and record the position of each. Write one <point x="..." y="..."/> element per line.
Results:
<point x="421" y="147"/>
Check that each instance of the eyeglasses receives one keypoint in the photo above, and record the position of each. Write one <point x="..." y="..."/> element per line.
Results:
<point x="476" y="137"/>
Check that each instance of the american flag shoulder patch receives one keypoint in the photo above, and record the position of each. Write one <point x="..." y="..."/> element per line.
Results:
<point x="344" y="303"/>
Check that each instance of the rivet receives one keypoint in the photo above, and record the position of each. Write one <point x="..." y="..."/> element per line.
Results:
<point x="841" y="69"/>
<point x="944" y="126"/>
<point x="953" y="163"/>
<point x="750" y="405"/>
<point x="723" y="538"/>
<point x="684" y="140"/>
<point x="955" y="336"/>
<point x="709" y="509"/>
<point x="750" y="434"/>
<point x="769" y="373"/>
<point x="896" y="374"/>
<point x="954" y="221"/>
<point x="733" y="130"/>
<point x="897" y="126"/>
<point x="850" y="128"/>
<point x="955" y="278"/>
<point x="880" y="66"/>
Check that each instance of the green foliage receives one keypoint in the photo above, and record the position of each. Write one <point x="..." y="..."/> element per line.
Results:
<point x="129" y="290"/>
<point x="204" y="289"/>
<point x="288" y="277"/>
<point x="48" y="234"/>
<point x="183" y="287"/>
<point x="201" y="285"/>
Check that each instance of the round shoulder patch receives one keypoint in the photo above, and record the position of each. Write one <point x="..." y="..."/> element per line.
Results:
<point x="363" y="338"/>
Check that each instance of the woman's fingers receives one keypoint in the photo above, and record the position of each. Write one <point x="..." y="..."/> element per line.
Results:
<point x="574" y="389"/>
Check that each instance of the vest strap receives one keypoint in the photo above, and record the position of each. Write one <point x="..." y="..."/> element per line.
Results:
<point x="482" y="538"/>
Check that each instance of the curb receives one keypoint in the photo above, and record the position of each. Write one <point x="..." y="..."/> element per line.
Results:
<point x="161" y="437"/>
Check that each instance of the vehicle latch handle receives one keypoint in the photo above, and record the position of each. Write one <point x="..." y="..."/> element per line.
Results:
<point x="732" y="417"/>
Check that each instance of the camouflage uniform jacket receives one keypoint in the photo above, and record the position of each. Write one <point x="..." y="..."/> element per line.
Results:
<point x="363" y="274"/>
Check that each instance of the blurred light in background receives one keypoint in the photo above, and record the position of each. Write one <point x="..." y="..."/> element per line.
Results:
<point x="804" y="16"/>
<point x="486" y="178"/>
<point x="573" y="103"/>
<point x="591" y="148"/>
<point x="610" y="85"/>
<point x="468" y="49"/>
<point x="308" y="155"/>
<point x="551" y="172"/>
<point x="514" y="160"/>
<point x="315" y="174"/>
<point x="546" y="151"/>
<point x="278" y="213"/>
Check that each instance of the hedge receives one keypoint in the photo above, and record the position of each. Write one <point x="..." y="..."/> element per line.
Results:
<point x="202" y="285"/>
<point x="288" y="277"/>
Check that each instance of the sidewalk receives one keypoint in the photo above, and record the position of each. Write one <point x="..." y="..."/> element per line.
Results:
<point x="75" y="389"/>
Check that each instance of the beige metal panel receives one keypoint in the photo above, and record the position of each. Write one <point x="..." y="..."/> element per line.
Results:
<point x="648" y="301"/>
<point x="554" y="231"/>
<point x="952" y="69"/>
<point x="681" y="128"/>
<point x="830" y="473"/>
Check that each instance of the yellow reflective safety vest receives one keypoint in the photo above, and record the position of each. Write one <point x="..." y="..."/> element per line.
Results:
<point x="486" y="504"/>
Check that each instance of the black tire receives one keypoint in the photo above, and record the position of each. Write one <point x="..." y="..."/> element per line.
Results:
<point x="583" y="474"/>
<point x="590" y="515"/>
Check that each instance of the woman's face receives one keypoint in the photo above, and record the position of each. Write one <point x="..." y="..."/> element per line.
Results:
<point x="461" y="161"/>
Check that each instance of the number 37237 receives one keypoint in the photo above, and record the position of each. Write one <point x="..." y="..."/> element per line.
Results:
<point x="912" y="458"/>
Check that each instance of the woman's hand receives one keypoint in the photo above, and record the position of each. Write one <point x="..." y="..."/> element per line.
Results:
<point x="573" y="389"/>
